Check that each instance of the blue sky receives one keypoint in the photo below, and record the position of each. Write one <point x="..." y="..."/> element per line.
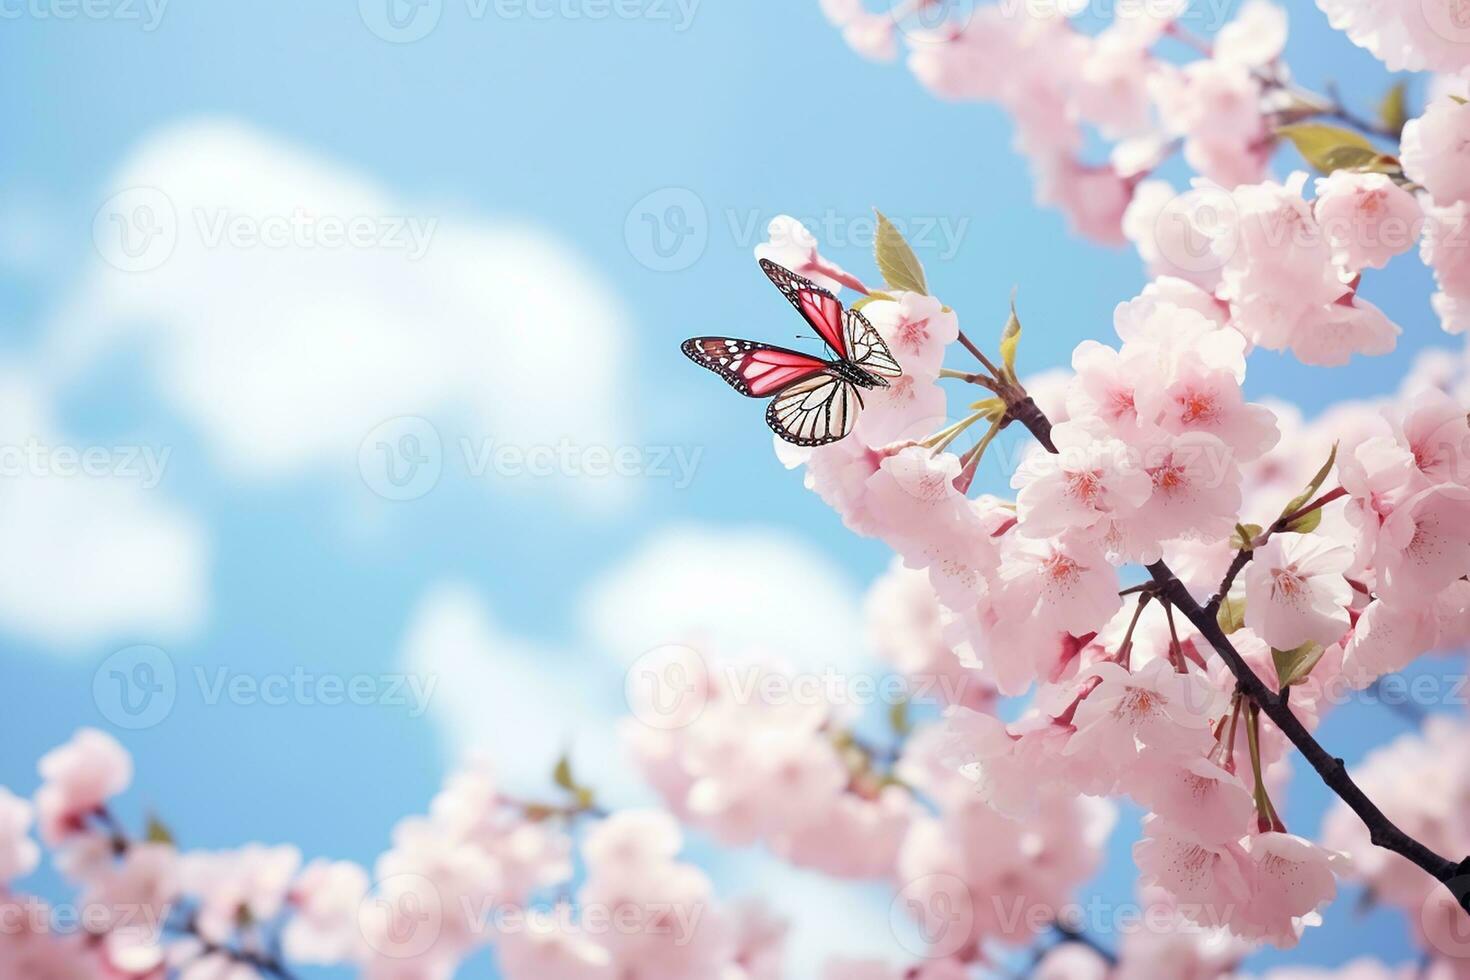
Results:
<point x="565" y="125"/>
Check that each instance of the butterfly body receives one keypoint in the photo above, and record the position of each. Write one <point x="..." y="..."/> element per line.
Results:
<point x="814" y="400"/>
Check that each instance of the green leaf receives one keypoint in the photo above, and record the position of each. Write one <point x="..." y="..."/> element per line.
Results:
<point x="898" y="717"/>
<point x="1245" y="536"/>
<point x="562" y="774"/>
<point x="1294" y="666"/>
<point x="1384" y="163"/>
<point x="1231" y="615"/>
<point x="1307" y="523"/>
<point x="872" y="297"/>
<point x="1393" y="111"/>
<point x="994" y="408"/>
<point x="1010" y="339"/>
<point x="896" y="260"/>
<point x="1329" y="148"/>
<point x="157" y="832"/>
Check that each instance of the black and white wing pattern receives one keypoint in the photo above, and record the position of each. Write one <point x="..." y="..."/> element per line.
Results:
<point x="821" y="309"/>
<point x="815" y="411"/>
<point x="866" y="348"/>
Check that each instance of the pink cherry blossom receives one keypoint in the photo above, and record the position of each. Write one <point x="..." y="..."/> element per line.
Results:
<point x="917" y="329"/>
<point x="1295" y="590"/>
<point x="77" y="778"/>
<point x="19" y="855"/>
<point x="790" y="245"/>
<point x="1443" y="249"/>
<point x="1207" y="802"/>
<point x="1088" y="482"/>
<point x="1434" y="151"/>
<point x="325" y="898"/>
<point x="1367" y="218"/>
<point x="1208" y="880"/>
<point x="1151" y="710"/>
<point x="1290" y="878"/>
<point x="1386" y="638"/>
<point x="1070" y="587"/>
<point x="1424" y="545"/>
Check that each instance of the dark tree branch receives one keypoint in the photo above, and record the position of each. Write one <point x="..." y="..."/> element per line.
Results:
<point x="1382" y="831"/>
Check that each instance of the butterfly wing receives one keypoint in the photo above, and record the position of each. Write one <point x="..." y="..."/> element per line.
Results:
<point x="818" y="306"/>
<point x="866" y="347"/>
<point x="815" y="411"/>
<point x="753" y="369"/>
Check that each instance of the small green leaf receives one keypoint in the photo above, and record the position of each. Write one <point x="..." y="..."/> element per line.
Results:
<point x="1393" y="111"/>
<point x="1294" y="666"/>
<point x="896" y="260"/>
<point x="1329" y="148"/>
<point x="872" y="297"/>
<point x="994" y="409"/>
<point x="562" y="774"/>
<point x="1460" y="100"/>
<point x="1306" y="524"/>
<point x="1245" y="536"/>
<point x="898" y="717"/>
<point x="1384" y="163"/>
<point x="157" y="832"/>
<point x="1010" y="339"/>
<point x="1231" y="615"/>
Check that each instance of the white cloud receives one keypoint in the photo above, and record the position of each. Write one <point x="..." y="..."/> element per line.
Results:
<point x="232" y="255"/>
<point x="515" y="703"/>
<point x="735" y="591"/>
<point x="91" y="552"/>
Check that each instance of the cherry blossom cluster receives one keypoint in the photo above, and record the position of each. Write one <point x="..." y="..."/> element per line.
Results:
<point x="1331" y="553"/>
<point x="480" y="869"/>
<point x="1286" y="268"/>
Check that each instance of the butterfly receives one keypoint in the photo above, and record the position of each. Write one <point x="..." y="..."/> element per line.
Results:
<point x="814" y="401"/>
